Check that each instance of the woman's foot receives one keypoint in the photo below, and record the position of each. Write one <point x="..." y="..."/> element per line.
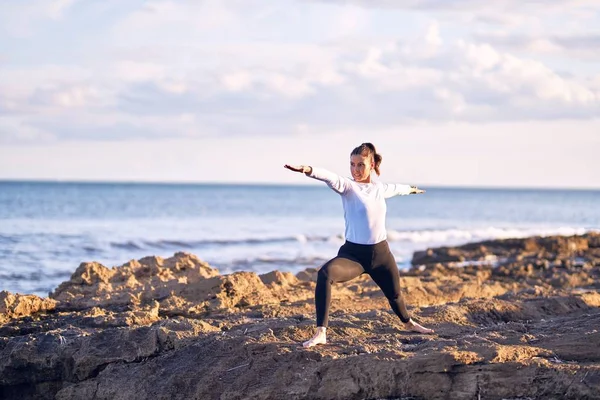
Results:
<point x="413" y="326"/>
<point x="319" y="338"/>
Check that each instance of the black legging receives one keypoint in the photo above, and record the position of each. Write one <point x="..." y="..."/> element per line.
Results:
<point x="352" y="261"/>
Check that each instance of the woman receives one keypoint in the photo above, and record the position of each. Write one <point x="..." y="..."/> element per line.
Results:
<point x="366" y="249"/>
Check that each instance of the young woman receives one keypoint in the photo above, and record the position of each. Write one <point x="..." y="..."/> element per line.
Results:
<point x="366" y="249"/>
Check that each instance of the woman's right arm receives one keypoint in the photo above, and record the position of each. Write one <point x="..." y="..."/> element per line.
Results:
<point x="334" y="181"/>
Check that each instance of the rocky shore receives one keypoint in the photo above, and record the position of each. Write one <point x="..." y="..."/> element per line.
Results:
<point x="513" y="319"/>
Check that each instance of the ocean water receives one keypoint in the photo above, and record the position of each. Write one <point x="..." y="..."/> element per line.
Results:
<point x="48" y="229"/>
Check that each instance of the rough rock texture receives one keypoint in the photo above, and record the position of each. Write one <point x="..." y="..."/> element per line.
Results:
<point x="513" y="319"/>
<point x="18" y="305"/>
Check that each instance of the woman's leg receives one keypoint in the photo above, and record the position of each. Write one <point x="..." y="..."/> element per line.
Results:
<point x="336" y="270"/>
<point x="386" y="276"/>
<point x="339" y="269"/>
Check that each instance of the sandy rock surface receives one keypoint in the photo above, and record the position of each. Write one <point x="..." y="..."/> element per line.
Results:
<point x="513" y="319"/>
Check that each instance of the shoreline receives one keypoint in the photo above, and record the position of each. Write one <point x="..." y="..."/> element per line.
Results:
<point x="291" y="184"/>
<point x="175" y="327"/>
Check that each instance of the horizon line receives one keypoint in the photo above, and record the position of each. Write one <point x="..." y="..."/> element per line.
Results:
<point x="256" y="183"/>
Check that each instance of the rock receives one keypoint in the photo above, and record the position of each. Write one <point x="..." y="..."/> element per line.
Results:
<point x="308" y="275"/>
<point x="136" y="282"/>
<point x="439" y="255"/>
<point x="18" y="305"/>
<point x="279" y="278"/>
<point x="515" y="318"/>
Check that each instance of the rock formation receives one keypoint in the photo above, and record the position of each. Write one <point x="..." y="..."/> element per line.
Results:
<point x="515" y="318"/>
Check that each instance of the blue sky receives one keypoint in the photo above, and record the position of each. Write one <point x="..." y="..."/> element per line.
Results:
<point x="451" y="92"/>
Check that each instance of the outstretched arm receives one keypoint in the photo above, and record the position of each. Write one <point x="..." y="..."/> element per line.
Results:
<point x="334" y="181"/>
<point x="396" y="189"/>
<point x="305" y="169"/>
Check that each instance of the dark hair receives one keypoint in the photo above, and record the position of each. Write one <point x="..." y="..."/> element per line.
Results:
<point x="365" y="150"/>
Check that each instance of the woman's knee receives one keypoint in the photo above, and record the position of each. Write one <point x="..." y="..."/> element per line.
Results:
<point x="323" y="274"/>
<point x="329" y="272"/>
<point x="339" y="270"/>
<point x="394" y="296"/>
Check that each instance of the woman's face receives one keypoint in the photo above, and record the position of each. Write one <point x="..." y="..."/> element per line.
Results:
<point x="360" y="167"/>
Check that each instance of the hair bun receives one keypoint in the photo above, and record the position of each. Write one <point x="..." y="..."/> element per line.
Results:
<point x="370" y="146"/>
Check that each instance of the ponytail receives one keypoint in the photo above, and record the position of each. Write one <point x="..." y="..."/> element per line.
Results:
<point x="368" y="149"/>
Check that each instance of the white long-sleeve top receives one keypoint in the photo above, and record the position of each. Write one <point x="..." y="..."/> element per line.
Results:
<point x="364" y="205"/>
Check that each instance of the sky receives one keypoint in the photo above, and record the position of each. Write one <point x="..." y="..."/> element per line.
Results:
<point x="452" y="93"/>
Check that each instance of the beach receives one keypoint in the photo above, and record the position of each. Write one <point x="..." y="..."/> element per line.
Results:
<point x="185" y="185"/>
<point x="513" y="318"/>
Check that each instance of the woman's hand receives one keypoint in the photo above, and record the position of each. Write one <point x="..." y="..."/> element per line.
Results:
<point x="299" y="168"/>
<point x="416" y="190"/>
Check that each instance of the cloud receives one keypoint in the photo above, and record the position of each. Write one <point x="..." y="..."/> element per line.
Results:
<point x="199" y="69"/>
<point x="375" y="86"/>
<point x="584" y="46"/>
<point x="21" y="18"/>
<point x="529" y="15"/>
<point x="56" y="8"/>
<point x="166" y="22"/>
<point x="18" y="130"/>
<point x="349" y="21"/>
<point x="464" y="5"/>
<point x="69" y="97"/>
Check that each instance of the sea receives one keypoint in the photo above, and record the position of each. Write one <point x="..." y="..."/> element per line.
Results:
<point x="48" y="228"/>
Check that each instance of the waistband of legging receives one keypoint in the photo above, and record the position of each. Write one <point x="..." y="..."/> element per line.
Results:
<point x="367" y="246"/>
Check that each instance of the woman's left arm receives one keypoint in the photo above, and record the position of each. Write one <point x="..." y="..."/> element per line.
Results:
<point x="397" y="189"/>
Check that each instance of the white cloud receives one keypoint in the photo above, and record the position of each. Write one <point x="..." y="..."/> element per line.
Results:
<point x="56" y="8"/>
<point x="225" y="71"/>
<point x="453" y="100"/>
<point x="470" y="5"/>
<point x="165" y="60"/>
<point x="481" y="56"/>
<point x="385" y="85"/>
<point x="132" y="71"/>
<point x="17" y="130"/>
<point x="349" y="21"/>
<point x="237" y="81"/>
<point x="583" y="47"/>
<point x="166" y="22"/>
<point x="432" y="37"/>
<point x="22" y="18"/>
<point x="69" y="96"/>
